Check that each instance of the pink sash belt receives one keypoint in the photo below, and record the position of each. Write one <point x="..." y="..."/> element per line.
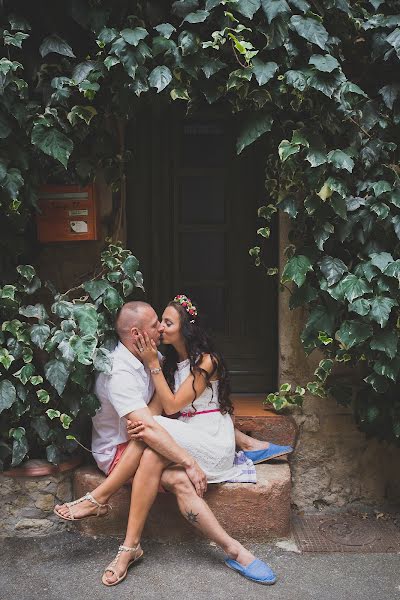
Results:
<point x="200" y="412"/>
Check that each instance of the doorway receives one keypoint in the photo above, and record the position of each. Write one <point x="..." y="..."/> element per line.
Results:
<point x="191" y="219"/>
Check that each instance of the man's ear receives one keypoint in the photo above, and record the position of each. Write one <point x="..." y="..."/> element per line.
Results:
<point x="135" y="332"/>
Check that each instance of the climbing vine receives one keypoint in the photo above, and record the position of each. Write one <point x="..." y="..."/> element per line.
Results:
<point x="316" y="79"/>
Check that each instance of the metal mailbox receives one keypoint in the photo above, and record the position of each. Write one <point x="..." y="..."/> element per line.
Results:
<point x="68" y="213"/>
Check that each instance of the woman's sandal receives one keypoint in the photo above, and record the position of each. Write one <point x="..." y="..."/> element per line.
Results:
<point x="90" y="498"/>
<point x="114" y="563"/>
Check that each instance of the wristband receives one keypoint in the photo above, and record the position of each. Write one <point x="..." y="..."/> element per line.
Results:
<point x="155" y="371"/>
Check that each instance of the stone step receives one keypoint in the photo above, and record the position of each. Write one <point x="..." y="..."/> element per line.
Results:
<point x="252" y="418"/>
<point x="249" y="512"/>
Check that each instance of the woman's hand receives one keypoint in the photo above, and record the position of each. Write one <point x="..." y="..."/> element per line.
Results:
<point x="148" y="351"/>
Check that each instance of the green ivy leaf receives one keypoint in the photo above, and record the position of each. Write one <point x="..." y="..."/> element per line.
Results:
<point x="84" y="348"/>
<point x="381" y="307"/>
<point x="25" y="373"/>
<point x="310" y="29"/>
<point x="52" y="142"/>
<point x="87" y="317"/>
<point x="386" y="341"/>
<point x="393" y="269"/>
<point x="353" y="333"/>
<point x="102" y="360"/>
<point x="66" y="420"/>
<point x="332" y="269"/>
<point x="57" y="373"/>
<point x="302" y="295"/>
<point x="188" y="43"/>
<point x="112" y="300"/>
<point x="81" y="113"/>
<point x="39" y="334"/>
<point x="20" y="446"/>
<point x="36" y="311"/>
<point x="53" y="454"/>
<point x="388" y="368"/>
<point x="341" y="160"/>
<point x="160" y="77"/>
<point x="6" y="359"/>
<point x="381" y="187"/>
<point x="26" y="271"/>
<point x="325" y="63"/>
<point x="199" y="16"/>
<point x="130" y="267"/>
<point x="96" y="288"/>
<point x="254" y="127"/>
<point x="8" y="395"/>
<point x="247" y="8"/>
<point x="53" y="414"/>
<point x="53" y="43"/>
<point x="360" y="306"/>
<point x="40" y="425"/>
<point x="274" y="8"/>
<point x="296" y="269"/>
<point x="43" y="396"/>
<point x="165" y="29"/>
<point x="381" y="260"/>
<point x="133" y="36"/>
<point x="350" y="287"/>
<point x="263" y="71"/>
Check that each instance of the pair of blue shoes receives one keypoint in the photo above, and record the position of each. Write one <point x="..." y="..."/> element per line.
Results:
<point x="257" y="571"/>
<point x="273" y="451"/>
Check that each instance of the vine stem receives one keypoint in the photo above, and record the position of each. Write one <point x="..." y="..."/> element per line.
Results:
<point x="365" y="132"/>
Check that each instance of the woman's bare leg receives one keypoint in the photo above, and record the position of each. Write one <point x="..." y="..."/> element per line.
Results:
<point x="198" y="513"/>
<point x="144" y="491"/>
<point x="247" y="443"/>
<point x="124" y="470"/>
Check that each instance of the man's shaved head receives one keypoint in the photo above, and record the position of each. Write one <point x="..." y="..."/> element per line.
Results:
<point x="132" y="314"/>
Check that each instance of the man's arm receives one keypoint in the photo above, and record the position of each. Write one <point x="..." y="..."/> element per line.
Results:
<point x="158" y="438"/>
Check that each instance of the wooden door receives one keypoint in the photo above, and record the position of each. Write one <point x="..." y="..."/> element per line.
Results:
<point x="192" y="217"/>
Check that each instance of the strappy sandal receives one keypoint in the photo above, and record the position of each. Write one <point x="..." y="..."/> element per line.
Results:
<point x="113" y="564"/>
<point x="89" y="497"/>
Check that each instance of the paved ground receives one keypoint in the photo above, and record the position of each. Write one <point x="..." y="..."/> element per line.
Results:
<point x="69" y="567"/>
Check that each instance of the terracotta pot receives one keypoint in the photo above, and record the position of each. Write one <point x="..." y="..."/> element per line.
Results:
<point x="39" y="467"/>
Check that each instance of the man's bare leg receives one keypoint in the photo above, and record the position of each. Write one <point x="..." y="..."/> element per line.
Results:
<point x="198" y="513"/>
<point x="144" y="491"/>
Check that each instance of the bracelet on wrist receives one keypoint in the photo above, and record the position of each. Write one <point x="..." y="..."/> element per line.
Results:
<point x="156" y="370"/>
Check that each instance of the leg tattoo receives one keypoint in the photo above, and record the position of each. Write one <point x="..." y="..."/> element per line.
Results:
<point x="191" y="516"/>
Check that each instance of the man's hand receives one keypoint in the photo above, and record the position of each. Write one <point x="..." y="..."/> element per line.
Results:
<point x="198" y="478"/>
<point x="137" y="431"/>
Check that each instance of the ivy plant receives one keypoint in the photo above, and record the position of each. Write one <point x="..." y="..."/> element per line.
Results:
<point x="315" y="79"/>
<point x="51" y="345"/>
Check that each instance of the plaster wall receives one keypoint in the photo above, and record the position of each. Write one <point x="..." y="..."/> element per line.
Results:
<point x="334" y="463"/>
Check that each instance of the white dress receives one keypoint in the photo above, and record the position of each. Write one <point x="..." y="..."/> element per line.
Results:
<point x="209" y="437"/>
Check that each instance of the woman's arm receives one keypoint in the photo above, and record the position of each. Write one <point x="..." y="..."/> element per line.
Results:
<point x="172" y="403"/>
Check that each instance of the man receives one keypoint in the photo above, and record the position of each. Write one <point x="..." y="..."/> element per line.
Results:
<point x="125" y="397"/>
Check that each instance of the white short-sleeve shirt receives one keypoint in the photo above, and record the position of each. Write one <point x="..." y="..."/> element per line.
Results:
<point x="129" y="387"/>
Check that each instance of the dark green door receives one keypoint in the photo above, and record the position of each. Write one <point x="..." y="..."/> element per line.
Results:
<point x="192" y="217"/>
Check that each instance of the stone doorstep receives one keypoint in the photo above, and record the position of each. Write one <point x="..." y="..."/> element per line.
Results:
<point x="249" y="512"/>
<point x="251" y="417"/>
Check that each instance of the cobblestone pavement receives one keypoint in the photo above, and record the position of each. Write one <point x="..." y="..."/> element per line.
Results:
<point x="69" y="566"/>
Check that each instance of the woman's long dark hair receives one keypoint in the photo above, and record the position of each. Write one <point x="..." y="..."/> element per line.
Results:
<point x="198" y="343"/>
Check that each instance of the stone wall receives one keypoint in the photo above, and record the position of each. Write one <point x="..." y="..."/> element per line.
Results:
<point x="334" y="463"/>
<point x="27" y="504"/>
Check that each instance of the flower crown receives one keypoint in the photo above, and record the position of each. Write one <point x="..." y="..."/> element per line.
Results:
<point x="187" y="305"/>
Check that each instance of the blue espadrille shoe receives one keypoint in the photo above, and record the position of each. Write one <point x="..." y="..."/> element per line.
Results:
<point x="273" y="451"/>
<point x="257" y="571"/>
